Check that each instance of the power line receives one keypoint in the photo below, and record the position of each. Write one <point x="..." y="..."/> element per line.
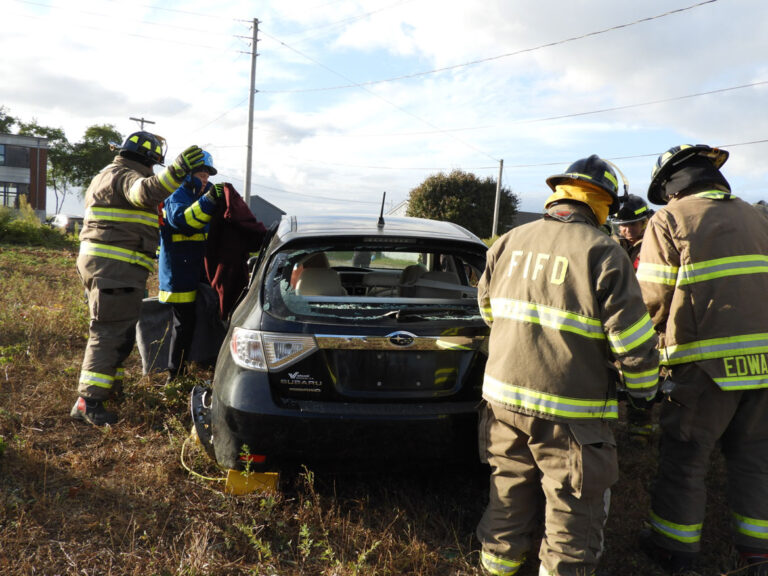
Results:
<point x="403" y="110"/>
<point x="349" y="20"/>
<point x="187" y="12"/>
<point x="368" y="167"/>
<point x="219" y="117"/>
<point x="639" y="105"/>
<point x="545" y="118"/>
<point x="492" y="58"/>
<point x="228" y="178"/>
<point x="632" y="157"/>
<point x="323" y="5"/>
<point x="177" y="11"/>
<point x="313" y="196"/>
<point x="204" y="32"/>
<point x="742" y="144"/>
<point x="533" y="165"/>
<point x="522" y="121"/>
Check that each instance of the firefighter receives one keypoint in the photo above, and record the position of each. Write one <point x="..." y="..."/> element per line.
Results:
<point x="563" y="304"/>
<point x="703" y="273"/>
<point x="631" y="220"/>
<point x="186" y="215"/>
<point x="118" y="243"/>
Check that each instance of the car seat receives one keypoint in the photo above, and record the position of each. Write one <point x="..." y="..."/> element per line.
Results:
<point x="319" y="282"/>
<point x="417" y="282"/>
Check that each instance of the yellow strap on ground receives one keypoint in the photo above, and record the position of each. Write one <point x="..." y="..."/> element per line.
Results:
<point x="239" y="483"/>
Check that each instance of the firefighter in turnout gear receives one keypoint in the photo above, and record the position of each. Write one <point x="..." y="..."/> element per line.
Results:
<point x="186" y="215"/>
<point x="118" y="244"/>
<point x="704" y="274"/>
<point x="631" y="220"/>
<point x="563" y="304"/>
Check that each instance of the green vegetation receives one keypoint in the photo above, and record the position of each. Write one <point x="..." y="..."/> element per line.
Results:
<point x="70" y="165"/>
<point x="463" y="198"/>
<point x="75" y="499"/>
<point x="22" y="226"/>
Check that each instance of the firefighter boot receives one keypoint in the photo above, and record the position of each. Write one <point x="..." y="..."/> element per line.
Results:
<point x="676" y="563"/>
<point x="585" y="571"/>
<point x="92" y="412"/>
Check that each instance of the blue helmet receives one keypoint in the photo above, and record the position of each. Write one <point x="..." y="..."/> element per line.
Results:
<point x="207" y="165"/>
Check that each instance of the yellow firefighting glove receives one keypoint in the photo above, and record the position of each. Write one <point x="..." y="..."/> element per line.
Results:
<point x="186" y="162"/>
<point x="215" y="193"/>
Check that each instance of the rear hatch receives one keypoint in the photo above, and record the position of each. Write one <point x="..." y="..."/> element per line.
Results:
<point x="386" y="323"/>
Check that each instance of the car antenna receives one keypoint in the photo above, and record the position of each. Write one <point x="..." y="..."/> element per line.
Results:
<point x="380" y="223"/>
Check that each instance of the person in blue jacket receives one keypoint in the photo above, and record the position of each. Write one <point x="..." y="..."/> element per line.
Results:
<point x="186" y="215"/>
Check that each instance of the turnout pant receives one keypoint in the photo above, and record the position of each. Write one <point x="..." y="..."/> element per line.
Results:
<point x="114" y="290"/>
<point x="697" y="416"/>
<point x="182" y="332"/>
<point x="551" y="475"/>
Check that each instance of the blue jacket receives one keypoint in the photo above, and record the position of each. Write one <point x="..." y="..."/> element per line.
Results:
<point x="186" y="215"/>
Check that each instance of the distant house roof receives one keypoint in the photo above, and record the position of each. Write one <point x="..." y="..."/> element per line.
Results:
<point x="524" y="218"/>
<point x="519" y="219"/>
<point x="399" y="210"/>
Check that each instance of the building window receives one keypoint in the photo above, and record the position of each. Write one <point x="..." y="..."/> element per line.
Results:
<point x="10" y="192"/>
<point x="16" y="156"/>
<point x="2" y="154"/>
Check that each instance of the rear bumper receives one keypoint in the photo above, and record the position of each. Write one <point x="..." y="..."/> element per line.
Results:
<point x="244" y="413"/>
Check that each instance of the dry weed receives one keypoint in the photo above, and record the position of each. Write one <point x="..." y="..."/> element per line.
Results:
<point x="77" y="500"/>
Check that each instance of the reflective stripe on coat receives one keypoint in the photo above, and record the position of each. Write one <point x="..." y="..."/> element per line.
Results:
<point x="563" y="303"/>
<point x="704" y="275"/>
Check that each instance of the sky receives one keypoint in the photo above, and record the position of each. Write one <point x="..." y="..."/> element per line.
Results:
<point x="357" y="98"/>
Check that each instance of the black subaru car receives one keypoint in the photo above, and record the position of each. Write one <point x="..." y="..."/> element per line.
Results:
<point x="357" y="338"/>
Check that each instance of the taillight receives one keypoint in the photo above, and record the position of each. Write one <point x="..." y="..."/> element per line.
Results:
<point x="264" y="351"/>
<point x="246" y="349"/>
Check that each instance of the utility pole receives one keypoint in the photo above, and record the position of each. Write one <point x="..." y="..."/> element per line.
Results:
<point x="495" y="227"/>
<point x="249" y="156"/>
<point x="142" y="120"/>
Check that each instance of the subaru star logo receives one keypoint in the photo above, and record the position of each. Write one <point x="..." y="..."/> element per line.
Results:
<point x="401" y="339"/>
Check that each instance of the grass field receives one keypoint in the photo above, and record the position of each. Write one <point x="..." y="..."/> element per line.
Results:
<point x="80" y="500"/>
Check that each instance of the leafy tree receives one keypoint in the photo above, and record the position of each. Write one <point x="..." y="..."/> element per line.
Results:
<point x="6" y="121"/>
<point x="463" y="198"/>
<point x="59" y="158"/>
<point x="93" y="153"/>
<point x="73" y="165"/>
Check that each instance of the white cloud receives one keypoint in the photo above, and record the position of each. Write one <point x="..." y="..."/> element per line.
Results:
<point x="184" y="66"/>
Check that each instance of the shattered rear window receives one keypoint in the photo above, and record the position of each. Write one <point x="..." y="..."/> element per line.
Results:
<point x="337" y="284"/>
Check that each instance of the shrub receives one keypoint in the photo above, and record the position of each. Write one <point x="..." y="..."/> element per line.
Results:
<point x="22" y="226"/>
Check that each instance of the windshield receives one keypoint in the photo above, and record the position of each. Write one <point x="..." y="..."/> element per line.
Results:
<point x="390" y="283"/>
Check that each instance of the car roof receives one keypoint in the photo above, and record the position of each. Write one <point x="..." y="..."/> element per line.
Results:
<point x="297" y="227"/>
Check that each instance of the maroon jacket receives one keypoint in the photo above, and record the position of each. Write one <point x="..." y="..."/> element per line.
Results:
<point x="234" y="234"/>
